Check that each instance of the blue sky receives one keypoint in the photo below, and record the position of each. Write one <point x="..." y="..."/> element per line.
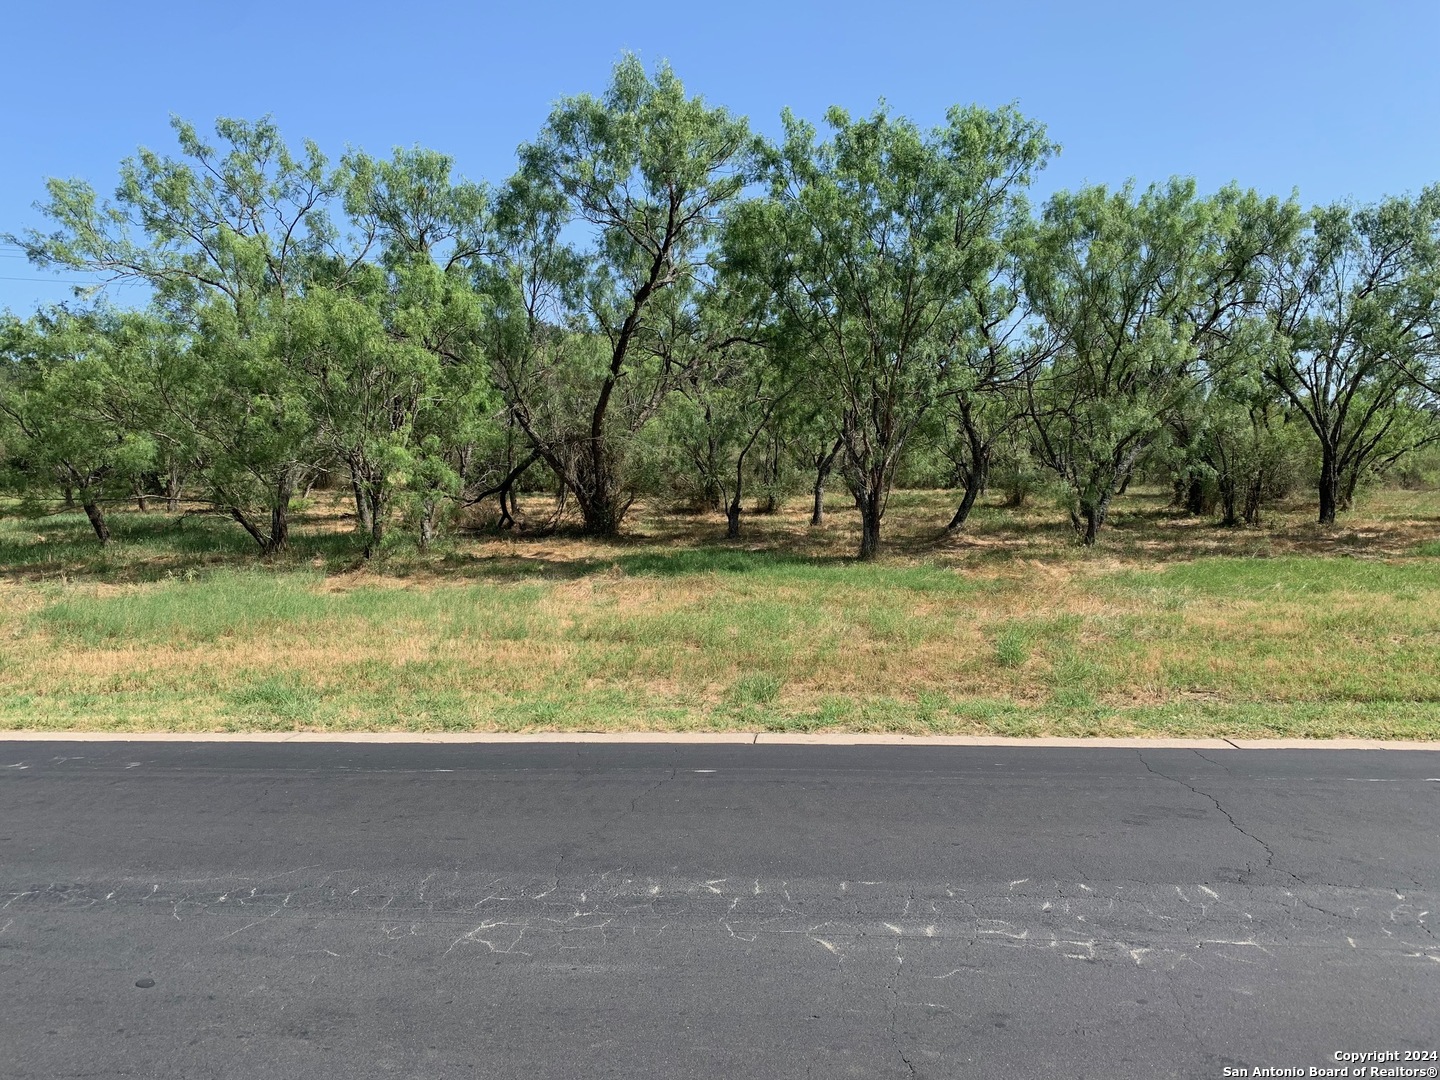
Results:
<point x="1337" y="100"/>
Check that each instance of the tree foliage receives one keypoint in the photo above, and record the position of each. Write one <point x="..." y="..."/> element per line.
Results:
<point x="873" y="241"/>
<point x="660" y="302"/>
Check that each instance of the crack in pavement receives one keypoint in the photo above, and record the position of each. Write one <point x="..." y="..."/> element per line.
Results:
<point x="1269" y="852"/>
<point x="566" y="852"/>
<point x="1212" y="761"/>
<point x="895" y="1012"/>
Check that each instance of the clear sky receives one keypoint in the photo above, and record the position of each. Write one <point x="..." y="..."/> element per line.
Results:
<point x="1339" y="100"/>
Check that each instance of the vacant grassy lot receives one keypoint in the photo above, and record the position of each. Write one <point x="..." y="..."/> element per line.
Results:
<point x="1172" y="626"/>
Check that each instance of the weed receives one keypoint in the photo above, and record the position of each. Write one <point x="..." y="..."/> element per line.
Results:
<point x="755" y="689"/>
<point x="1012" y="647"/>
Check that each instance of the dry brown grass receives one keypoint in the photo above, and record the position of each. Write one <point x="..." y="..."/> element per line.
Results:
<point x="1172" y="625"/>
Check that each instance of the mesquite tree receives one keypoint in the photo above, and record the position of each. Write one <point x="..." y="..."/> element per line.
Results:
<point x="810" y="420"/>
<point x="1229" y="438"/>
<point x="396" y="357"/>
<point x="646" y="172"/>
<point x="1357" y="298"/>
<point x="994" y="347"/>
<point x="227" y="238"/>
<point x="870" y="240"/>
<point x="1134" y="289"/>
<point x="723" y="410"/>
<point x="64" y="406"/>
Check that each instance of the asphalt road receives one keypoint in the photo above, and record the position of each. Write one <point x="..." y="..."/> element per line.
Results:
<point x="711" y="911"/>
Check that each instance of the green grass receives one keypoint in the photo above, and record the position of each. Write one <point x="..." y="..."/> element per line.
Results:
<point x="254" y="605"/>
<point x="1282" y="578"/>
<point x="1012" y="646"/>
<point x="755" y="689"/>
<point x="1171" y="627"/>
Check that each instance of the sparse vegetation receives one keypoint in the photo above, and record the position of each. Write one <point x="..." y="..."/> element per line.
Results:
<point x="1178" y="626"/>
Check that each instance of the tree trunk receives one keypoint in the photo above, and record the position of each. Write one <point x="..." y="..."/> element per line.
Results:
<point x="975" y="482"/>
<point x="1329" y="483"/>
<point x="1093" y="514"/>
<point x="594" y="490"/>
<point x="509" y="503"/>
<point x="1195" y="496"/>
<point x="378" y="514"/>
<point x="97" y="518"/>
<point x="975" y="474"/>
<point x="822" y="473"/>
<point x="279" y="536"/>
<point x="142" y="500"/>
<point x="962" y="512"/>
<point x="1254" y="492"/>
<point x="870" y="514"/>
<point x="1347" y="486"/>
<point x="598" y="514"/>
<point x="505" y="489"/>
<point x="428" y="514"/>
<point x="1091" y="519"/>
<point x="1229" y="502"/>
<point x="507" y="519"/>
<point x="592" y="478"/>
<point x="732" y="512"/>
<point x="364" y="522"/>
<point x="772" y="476"/>
<point x="173" y="487"/>
<point x="732" y="519"/>
<point x="248" y="525"/>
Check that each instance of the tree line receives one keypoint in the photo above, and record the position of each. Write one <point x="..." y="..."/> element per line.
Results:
<point x="659" y="301"/>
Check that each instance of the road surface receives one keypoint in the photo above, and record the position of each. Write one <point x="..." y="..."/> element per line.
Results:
<point x="726" y="911"/>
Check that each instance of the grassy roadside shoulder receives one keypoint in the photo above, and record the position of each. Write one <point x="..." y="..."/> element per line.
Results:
<point x="663" y="637"/>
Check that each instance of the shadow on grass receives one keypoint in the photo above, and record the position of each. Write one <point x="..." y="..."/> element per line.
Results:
<point x="658" y="542"/>
<point x="679" y="562"/>
<point x="151" y="546"/>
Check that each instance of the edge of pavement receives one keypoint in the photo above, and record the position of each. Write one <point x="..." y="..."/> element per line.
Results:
<point x="750" y="738"/>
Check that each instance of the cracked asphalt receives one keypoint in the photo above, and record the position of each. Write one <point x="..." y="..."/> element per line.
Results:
<point x="725" y="911"/>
